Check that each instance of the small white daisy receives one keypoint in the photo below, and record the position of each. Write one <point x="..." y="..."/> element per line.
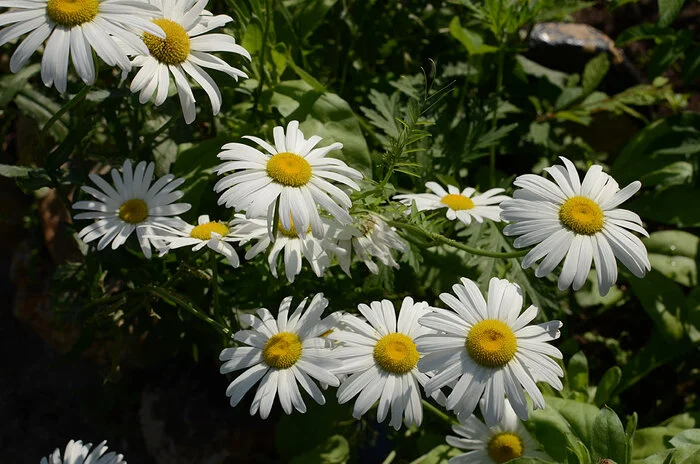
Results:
<point x="75" y="28"/>
<point x="490" y="349"/>
<point x="184" y="51"/>
<point x="77" y="453"/>
<point x="214" y="234"/>
<point x="464" y="205"/>
<point x="579" y="220"/>
<point x="293" y="171"/>
<point x="132" y="204"/>
<point x="500" y="443"/>
<point x="295" y="248"/>
<point x="284" y="353"/>
<point x="381" y="357"/>
<point x="370" y="237"/>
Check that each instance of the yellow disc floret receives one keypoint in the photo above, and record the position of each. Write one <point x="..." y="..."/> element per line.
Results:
<point x="70" y="13"/>
<point x="174" y="48"/>
<point x="203" y="231"/>
<point x="282" y="350"/>
<point x="289" y="169"/>
<point x="581" y="215"/>
<point x="491" y="343"/>
<point x="396" y="353"/>
<point x="457" y="202"/>
<point x="291" y="232"/>
<point x="133" y="211"/>
<point x="504" y="447"/>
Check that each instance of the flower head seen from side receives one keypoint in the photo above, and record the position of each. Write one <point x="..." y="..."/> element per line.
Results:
<point x="132" y="204"/>
<point x="185" y="50"/>
<point x="295" y="248"/>
<point x="506" y="440"/>
<point x="77" y="453"/>
<point x="463" y="205"/>
<point x="370" y="237"/>
<point x="579" y="221"/>
<point x="282" y="354"/>
<point x="381" y="356"/>
<point x="75" y="28"/>
<point x="292" y="171"/>
<point x="214" y="234"/>
<point x="489" y="350"/>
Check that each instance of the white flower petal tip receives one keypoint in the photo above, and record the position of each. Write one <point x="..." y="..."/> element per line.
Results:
<point x="578" y="223"/>
<point x="78" y="453"/>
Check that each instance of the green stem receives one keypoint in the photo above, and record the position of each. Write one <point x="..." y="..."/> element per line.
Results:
<point x="215" y="281"/>
<point x="437" y="413"/>
<point x="390" y="458"/>
<point x="77" y="98"/>
<point x="190" y="307"/>
<point x="494" y="118"/>
<point x="455" y="244"/>
<point x="263" y="50"/>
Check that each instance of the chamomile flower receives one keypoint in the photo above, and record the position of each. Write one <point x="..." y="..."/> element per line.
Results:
<point x="214" y="234"/>
<point x="293" y="171"/>
<point x="370" y="237"/>
<point x="490" y="349"/>
<point x="506" y="440"/>
<point x="184" y="51"/>
<point x="579" y="220"/>
<point x="295" y="248"/>
<point x="381" y="357"/>
<point x="75" y="28"/>
<point x="464" y="205"/>
<point x="284" y="353"/>
<point x="77" y="453"/>
<point x="133" y="204"/>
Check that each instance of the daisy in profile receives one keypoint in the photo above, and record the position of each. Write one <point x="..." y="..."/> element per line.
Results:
<point x="381" y="356"/>
<point x="77" y="453"/>
<point x="295" y="248"/>
<point x="370" y="237"/>
<point x="75" y="28"/>
<point x="292" y="171"/>
<point x="506" y="440"/>
<point x="133" y="204"/>
<point x="579" y="221"/>
<point x="183" y="52"/>
<point x="214" y="234"/>
<point x="284" y="353"/>
<point x="464" y="205"/>
<point x="489" y="349"/>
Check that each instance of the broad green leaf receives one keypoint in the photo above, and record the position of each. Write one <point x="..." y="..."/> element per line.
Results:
<point x="551" y="430"/>
<point x="650" y="440"/>
<point x="607" y="385"/>
<point x="311" y="15"/>
<point x="669" y="206"/>
<point x="579" y="451"/>
<point x="194" y="161"/>
<point x="668" y="10"/>
<point x="253" y="38"/>
<point x="594" y="72"/>
<point x="642" y="32"/>
<point x="679" y="172"/>
<point x="608" y="437"/>
<point x="577" y="373"/>
<point x="10" y="84"/>
<point x="472" y="41"/>
<point x="9" y="170"/>
<point x="673" y="254"/>
<point x="686" y="437"/>
<point x="532" y="68"/>
<point x="438" y="455"/>
<point x="690" y="71"/>
<point x="335" y="450"/>
<point x="667" y="53"/>
<point x="687" y="420"/>
<point x="663" y="301"/>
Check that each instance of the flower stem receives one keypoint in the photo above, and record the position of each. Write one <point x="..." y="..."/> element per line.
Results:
<point x="494" y="117"/>
<point x="77" y="98"/>
<point x="214" y="281"/>
<point x="437" y="413"/>
<point x="176" y="299"/>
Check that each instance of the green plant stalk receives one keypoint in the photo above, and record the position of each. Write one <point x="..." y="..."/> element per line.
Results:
<point x="80" y="96"/>
<point x="455" y="244"/>
<point x="190" y="307"/>
<point x="494" y="120"/>
<point x="437" y="413"/>
<point x="215" y="282"/>
<point x="263" y="49"/>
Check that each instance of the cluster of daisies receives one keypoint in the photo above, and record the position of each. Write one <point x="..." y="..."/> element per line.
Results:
<point x="164" y="38"/>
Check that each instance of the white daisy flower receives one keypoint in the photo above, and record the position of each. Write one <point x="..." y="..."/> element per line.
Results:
<point x="293" y="171"/>
<point x="77" y="453"/>
<point x="579" y="220"/>
<point x="295" y="248"/>
<point x="75" y="28"/>
<point x="184" y="51"/>
<point x="214" y="234"/>
<point x="132" y="204"/>
<point x="490" y="349"/>
<point x="381" y="357"/>
<point x="506" y="440"/>
<point x="370" y="237"/>
<point x="464" y="205"/>
<point x="284" y="353"/>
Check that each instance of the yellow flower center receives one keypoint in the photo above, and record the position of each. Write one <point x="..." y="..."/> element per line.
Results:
<point x="457" y="202"/>
<point x="174" y="48"/>
<point x="291" y="232"/>
<point x="504" y="447"/>
<point x="396" y="353"/>
<point x="133" y="211"/>
<point x="581" y="215"/>
<point x="203" y="231"/>
<point x="282" y="350"/>
<point x="491" y="343"/>
<point x="289" y="169"/>
<point x="70" y="13"/>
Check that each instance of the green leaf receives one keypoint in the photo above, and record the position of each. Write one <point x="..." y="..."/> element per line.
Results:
<point x="669" y="206"/>
<point x="668" y="10"/>
<point x="335" y="450"/>
<point x="668" y="53"/>
<point x="642" y="32"/>
<point x="311" y="15"/>
<point x="472" y="41"/>
<point x="690" y="71"/>
<point x="10" y="84"/>
<point x="594" y="72"/>
<point x="663" y="301"/>
<point x="532" y="68"/>
<point x="253" y="38"/>
<point x="438" y="455"/>
<point x="673" y="253"/>
<point x="579" y="451"/>
<point x="9" y="170"/>
<point x="608" y="383"/>
<point x="650" y="440"/>
<point x="577" y="373"/>
<point x="608" y="438"/>
<point x="686" y="437"/>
